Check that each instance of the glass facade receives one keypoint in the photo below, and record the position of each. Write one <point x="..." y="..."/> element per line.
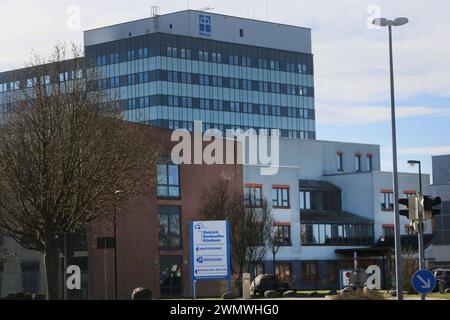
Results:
<point x="336" y="234"/>
<point x="170" y="81"/>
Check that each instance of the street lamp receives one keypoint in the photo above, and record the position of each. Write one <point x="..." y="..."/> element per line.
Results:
<point x="383" y="22"/>
<point x="420" y="244"/>
<point x="117" y="192"/>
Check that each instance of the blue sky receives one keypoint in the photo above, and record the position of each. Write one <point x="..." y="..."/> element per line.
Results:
<point x="351" y="59"/>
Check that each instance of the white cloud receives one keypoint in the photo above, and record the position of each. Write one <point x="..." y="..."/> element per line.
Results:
<point x="351" y="61"/>
<point x="434" y="151"/>
<point x="355" y="115"/>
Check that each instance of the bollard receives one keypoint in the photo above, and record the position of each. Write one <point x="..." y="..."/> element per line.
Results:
<point x="246" y="286"/>
<point x="441" y="286"/>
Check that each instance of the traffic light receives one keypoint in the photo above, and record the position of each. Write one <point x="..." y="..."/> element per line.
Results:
<point x="429" y="203"/>
<point x="412" y="205"/>
<point x="425" y="203"/>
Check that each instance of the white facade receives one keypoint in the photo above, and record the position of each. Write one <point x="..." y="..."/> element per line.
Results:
<point x="224" y="28"/>
<point x="360" y="191"/>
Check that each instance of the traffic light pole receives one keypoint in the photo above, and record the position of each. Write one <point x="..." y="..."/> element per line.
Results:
<point x="420" y="228"/>
<point x="420" y="239"/>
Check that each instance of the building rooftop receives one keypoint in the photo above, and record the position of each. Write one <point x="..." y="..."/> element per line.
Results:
<point x="210" y="26"/>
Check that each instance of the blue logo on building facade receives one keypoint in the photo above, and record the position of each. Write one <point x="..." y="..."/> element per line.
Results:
<point x="205" y="27"/>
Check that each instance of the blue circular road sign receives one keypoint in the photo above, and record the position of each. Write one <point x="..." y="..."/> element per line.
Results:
<point x="424" y="281"/>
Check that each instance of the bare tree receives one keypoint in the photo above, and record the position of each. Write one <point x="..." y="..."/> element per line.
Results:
<point x="64" y="151"/>
<point x="274" y="245"/>
<point x="250" y="224"/>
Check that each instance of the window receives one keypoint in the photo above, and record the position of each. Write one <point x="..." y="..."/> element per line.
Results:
<point x="143" y="53"/>
<point x="114" y="58"/>
<point x="336" y="234"/>
<point x="409" y="230"/>
<point x="310" y="271"/>
<point x="280" y="196"/>
<point x="387" y="202"/>
<point x="332" y="275"/>
<point x="282" y="235"/>
<point x="101" y="60"/>
<point x="216" y="57"/>
<point x="369" y="162"/>
<point x="172" y="52"/>
<point x="185" y="53"/>
<point x="31" y="277"/>
<point x="340" y="161"/>
<point x="283" y="272"/>
<point x="305" y="200"/>
<point x="321" y="200"/>
<point x="358" y="162"/>
<point x="170" y="275"/>
<point x="203" y="56"/>
<point x="388" y="231"/>
<point x="253" y="195"/>
<point x="241" y="33"/>
<point x="169" y="220"/>
<point x="168" y="180"/>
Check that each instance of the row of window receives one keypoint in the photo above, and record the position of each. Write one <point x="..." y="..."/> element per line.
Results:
<point x="45" y="80"/>
<point x="205" y="56"/>
<point x="203" y="80"/>
<point x="387" y="199"/>
<point x="309" y="272"/>
<point x="336" y="234"/>
<point x="216" y="105"/>
<point x="358" y="162"/>
<point x="320" y="200"/>
<point x="309" y="200"/>
<point x="189" y="125"/>
<point x="389" y="231"/>
<point x="253" y="196"/>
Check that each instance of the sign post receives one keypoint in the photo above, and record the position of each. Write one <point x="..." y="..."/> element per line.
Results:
<point x="210" y="252"/>
<point x="424" y="281"/>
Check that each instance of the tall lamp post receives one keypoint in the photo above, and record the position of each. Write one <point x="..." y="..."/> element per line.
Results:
<point x="383" y="22"/>
<point x="420" y="227"/>
<point x="117" y="192"/>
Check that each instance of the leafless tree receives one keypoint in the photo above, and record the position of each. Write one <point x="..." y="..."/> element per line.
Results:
<point x="250" y="224"/>
<point x="273" y="244"/>
<point x="64" y="151"/>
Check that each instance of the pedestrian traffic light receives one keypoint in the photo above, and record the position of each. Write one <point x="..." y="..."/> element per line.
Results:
<point x="429" y="203"/>
<point x="412" y="205"/>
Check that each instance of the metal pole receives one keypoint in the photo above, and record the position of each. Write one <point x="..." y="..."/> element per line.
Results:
<point x="398" y="249"/>
<point x="420" y="178"/>
<point x="420" y="231"/>
<point x="65" y="266"/>
<point x="115" y="251"/>
<point x="104" y="269"/>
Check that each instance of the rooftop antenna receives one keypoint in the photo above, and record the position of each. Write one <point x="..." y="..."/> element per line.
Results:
<point x="156" y="11"/>
<point x="267" y="10"/>
<point x="206" y="9"/>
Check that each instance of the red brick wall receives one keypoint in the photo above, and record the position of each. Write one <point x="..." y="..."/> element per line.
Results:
<point x="137" y="234"/>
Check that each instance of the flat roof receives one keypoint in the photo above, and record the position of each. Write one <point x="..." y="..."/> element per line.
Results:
<point x="199" y="11"/>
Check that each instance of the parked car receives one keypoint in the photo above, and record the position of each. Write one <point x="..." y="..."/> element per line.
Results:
<point x="442" y="275"/>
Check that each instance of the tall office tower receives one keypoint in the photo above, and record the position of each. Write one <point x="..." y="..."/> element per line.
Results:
<point x="171" y="70"/>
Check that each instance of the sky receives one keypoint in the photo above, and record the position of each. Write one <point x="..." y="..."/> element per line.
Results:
<point x="351" y="59"/>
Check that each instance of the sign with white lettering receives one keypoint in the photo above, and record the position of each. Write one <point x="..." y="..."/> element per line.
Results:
<point x="210" y="250"/>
